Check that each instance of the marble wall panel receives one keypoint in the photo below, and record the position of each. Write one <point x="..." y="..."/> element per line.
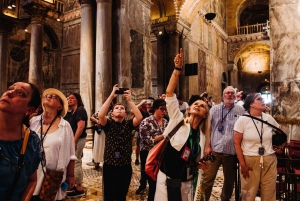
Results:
<point x="202" y="71"/>
<point x="285" y="68"/>
<point x="137" y="56"/>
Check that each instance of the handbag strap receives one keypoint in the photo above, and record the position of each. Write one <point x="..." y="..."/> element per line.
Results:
<point x="167" y="139"/>
<point x="20" y="165"/>
<point x="265" y="122"/>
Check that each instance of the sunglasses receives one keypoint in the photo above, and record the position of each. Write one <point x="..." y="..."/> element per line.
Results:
<point x="163" y="109"/>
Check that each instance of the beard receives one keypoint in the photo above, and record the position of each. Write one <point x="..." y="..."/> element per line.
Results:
<point x="229" y="101"/>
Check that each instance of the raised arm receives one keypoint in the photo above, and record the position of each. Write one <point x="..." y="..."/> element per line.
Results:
<point x="104" y="109"/>
<point x="178" y="60"/>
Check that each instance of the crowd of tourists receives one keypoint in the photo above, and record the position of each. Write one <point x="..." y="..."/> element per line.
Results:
<point x="42" y="139"/>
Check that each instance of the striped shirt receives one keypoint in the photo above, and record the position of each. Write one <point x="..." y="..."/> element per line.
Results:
<point x="222" y="123"/>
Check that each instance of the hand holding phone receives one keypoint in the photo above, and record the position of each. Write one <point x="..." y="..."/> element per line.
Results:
<point x="121" y="90"/>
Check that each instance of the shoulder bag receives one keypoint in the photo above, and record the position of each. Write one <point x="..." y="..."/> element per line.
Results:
<point x="156" y="154"/>
<point x="279" y="137"/>
<point x="20" y="164"/>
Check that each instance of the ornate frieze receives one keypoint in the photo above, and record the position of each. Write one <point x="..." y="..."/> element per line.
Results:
<point x="71" y="15"/>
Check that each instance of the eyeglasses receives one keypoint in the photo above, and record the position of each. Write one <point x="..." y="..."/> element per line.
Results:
<point x="163" y="109"/>
<point x="229" y="93"/>
<point x="52" y="96"/>
<point x="260" y="99"/>
<point x="4" y="160"/>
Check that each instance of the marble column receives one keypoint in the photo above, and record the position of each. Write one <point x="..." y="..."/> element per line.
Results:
<point x="161" y="71"/>
<point x="103" y="74"/>
<point x="284" y="61"/>
<point x="87" y="61"/>
<point x="36" y="53"/>
<point x="173" y="50"/>
<point x="4" y="37"/>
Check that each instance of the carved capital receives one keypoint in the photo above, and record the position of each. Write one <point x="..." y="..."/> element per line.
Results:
<point x="37" y="12"/>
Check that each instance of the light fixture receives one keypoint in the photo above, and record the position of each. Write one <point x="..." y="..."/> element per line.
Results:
<point x="210" y="16"/>
<point x="160" y="33"/>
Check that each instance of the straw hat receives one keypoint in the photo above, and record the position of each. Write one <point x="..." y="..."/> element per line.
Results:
<point x="61" y="96"/>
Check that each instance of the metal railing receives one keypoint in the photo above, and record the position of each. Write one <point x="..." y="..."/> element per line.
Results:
<point x="254" y="28"/>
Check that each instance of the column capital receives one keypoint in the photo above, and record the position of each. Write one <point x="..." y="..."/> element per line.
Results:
<point x="104" y="1"/>
<point x="37" y="12"/>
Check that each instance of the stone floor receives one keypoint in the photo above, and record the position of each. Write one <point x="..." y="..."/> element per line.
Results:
<point x="93" y="187"/>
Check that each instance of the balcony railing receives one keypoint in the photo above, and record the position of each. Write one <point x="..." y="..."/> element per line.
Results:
<point x="254" y="28"/>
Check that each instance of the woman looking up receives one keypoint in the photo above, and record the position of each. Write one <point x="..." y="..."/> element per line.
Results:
<point x="150" y="131"/>
<point x="16" y="105"/>
<point x="180" y="160"/>
<point x="253" y="145"/>
<point x="57" y="140"/>
<point x="77" y="118"/>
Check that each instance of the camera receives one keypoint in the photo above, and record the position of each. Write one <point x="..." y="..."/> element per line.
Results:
<point x="121" y="90"/>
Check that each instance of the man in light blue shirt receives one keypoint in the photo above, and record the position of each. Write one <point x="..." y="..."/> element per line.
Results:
<point x="223" y="117"/>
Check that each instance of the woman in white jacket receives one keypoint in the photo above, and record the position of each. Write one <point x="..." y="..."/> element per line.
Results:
<point x="57" y="140"/>
<point x="179" y="163"/>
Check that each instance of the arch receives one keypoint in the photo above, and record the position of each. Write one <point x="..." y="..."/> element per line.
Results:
<point x="262" y="86"/>
<point x="52" y="36"/>
<point x="163" y="9"/>
<point x="246" y="4"/>
<point x="189" y="9"/>
<point x="261" y="44"/>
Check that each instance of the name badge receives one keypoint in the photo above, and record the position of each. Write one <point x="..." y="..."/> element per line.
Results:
<point x="186" y="153"/>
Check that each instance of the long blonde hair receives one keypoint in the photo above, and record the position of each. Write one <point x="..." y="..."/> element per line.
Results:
<point x="205" y="124"/>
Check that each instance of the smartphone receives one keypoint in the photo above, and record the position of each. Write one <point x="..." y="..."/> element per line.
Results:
<point x="149" y="102"/>
<point x="121" y="90"/>
<point x="64" y="186"/>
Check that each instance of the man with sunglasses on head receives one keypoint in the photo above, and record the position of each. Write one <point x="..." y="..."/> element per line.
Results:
<point x="223" y="117"/>
<point x="150" y="131"/>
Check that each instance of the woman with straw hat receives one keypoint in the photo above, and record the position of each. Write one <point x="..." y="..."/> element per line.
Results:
<point x="57" y="140"/>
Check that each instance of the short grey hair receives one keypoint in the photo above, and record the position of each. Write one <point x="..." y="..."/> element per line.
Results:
<point x="229" y="87"/>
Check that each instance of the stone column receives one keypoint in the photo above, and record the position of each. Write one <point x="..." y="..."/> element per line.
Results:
<point x="5" y="28"/>
<point x="103" y="75"/>
<point x="35" y="75"/>
<point x="87" y="61"/>
<point x="284" y="61"/>
<point x="173" y="50"/>
<point x="161" y="71"/>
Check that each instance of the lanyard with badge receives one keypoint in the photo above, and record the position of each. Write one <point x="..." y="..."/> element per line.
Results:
<point x="220" y="128"/>
<point x="188" y="153"/>
<point x="261" y="149"/>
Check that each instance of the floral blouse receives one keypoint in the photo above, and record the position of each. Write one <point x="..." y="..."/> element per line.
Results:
<point x="149" y="128"/>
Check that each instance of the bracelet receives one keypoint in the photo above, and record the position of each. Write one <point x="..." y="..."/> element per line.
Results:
<point x="70" y="175"/>
<point x="175" y="68"/>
